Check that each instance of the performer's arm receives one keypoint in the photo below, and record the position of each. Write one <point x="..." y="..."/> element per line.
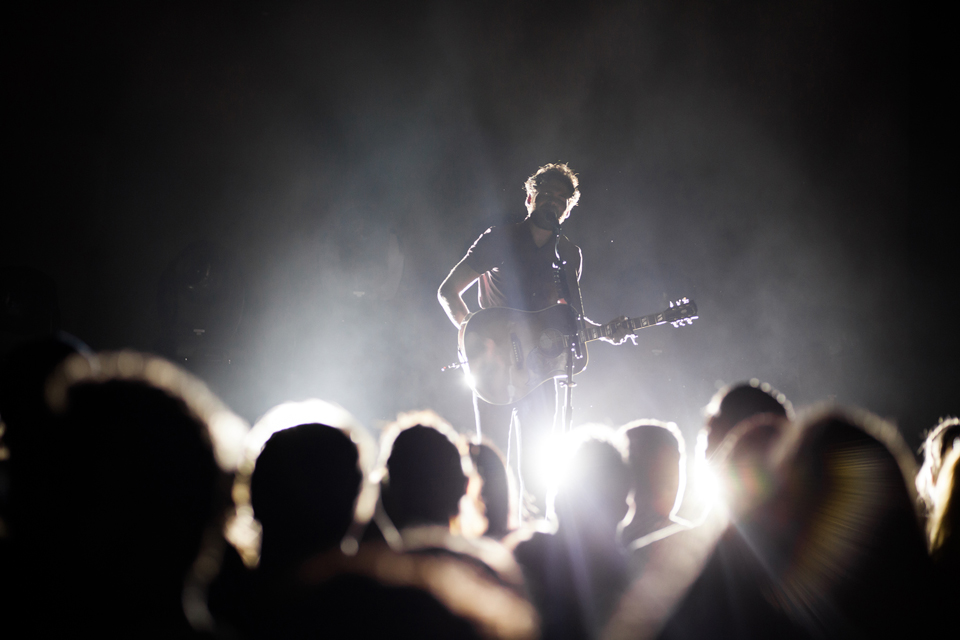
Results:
<point x="451" y="291"/>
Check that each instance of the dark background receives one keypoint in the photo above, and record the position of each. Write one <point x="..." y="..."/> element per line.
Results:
<point x="790" y="166"/>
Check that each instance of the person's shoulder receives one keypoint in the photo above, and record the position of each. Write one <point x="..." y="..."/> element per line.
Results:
<point x="495" y="233"/>
<point x="511" y="230"/>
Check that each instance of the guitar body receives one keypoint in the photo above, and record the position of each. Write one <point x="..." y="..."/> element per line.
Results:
<point x="508" y="353"/>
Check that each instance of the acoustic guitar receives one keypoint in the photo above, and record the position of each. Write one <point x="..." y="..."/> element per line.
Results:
<point x="507" y="353"/>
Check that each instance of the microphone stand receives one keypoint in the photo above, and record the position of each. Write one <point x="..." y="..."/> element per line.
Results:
<point x="573" y="346"/>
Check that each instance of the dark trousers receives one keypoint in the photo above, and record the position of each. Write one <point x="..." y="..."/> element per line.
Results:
<point x="522" y="431"/>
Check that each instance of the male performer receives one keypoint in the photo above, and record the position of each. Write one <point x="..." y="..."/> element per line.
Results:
<point x="514" y="264"/>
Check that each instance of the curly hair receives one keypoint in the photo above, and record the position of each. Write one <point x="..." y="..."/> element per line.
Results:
<point x="561" y="170"/>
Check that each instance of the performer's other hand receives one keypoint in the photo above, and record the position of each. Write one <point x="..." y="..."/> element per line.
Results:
<point x="621" y="331"/>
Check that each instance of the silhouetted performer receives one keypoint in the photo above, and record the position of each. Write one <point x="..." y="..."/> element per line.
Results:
<point x="514" y="266"/>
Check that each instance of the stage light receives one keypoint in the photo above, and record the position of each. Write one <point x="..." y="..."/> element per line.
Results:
<point x="554" y="462"/>
<point x="712" y="486"/>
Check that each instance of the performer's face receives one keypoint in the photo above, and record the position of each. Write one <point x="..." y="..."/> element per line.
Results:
<point x="551" y="202"/>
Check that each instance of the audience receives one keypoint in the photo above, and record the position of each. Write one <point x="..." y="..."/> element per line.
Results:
<point x="116" y="510"/>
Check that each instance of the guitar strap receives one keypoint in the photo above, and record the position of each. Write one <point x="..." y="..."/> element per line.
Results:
<point x="563" y="288"/>
<point x="560" y="278"/>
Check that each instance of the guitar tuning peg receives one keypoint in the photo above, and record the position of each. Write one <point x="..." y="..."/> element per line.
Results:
<point x="671" y="304"/>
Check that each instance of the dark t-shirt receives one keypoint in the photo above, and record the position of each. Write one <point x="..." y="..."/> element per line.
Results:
<point x="518" y="274"/>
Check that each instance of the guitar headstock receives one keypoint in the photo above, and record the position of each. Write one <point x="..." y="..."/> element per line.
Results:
<point x="682" y="312"/>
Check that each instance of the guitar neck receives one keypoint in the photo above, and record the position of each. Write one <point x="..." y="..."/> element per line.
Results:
<point x="682" y="312"/>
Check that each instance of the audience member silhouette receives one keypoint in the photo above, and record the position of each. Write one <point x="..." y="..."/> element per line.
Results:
<point x="136" y="490"/>
<point x="577" y="575"/>
<point x="837" y="546"/>
<point x="424" y="478"/>
<point x="303" y="491"/>
<point x="306" y="484"/>
<point x="496" y="492"/>
<point x="745" y="463"/>
<point x="848" y="484"/>
<point x="379" y="593"/>
<point x="658" y="474"/>
<point x="733" y="404"/>
<point x="426" y="474"/>
<point x="732" y="596"/>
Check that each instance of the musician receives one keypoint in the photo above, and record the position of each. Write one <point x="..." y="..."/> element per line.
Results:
<point x="514" y="266"/>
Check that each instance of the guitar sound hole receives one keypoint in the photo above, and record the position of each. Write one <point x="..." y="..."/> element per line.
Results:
<point x="551" y="343"/>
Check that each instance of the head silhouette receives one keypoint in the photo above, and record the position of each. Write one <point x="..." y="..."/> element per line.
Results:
<point x="305" y="472"/>
<point x="744" y="462"/>
<point x="424" y="475"/>
<point x="303" y="491"/>
<point x="842" y="531"/>
<point x="657" y="468"/>
<point x="733" y="404"/>
<point x="594" y="481"/>
<point x="137" y="480"/>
